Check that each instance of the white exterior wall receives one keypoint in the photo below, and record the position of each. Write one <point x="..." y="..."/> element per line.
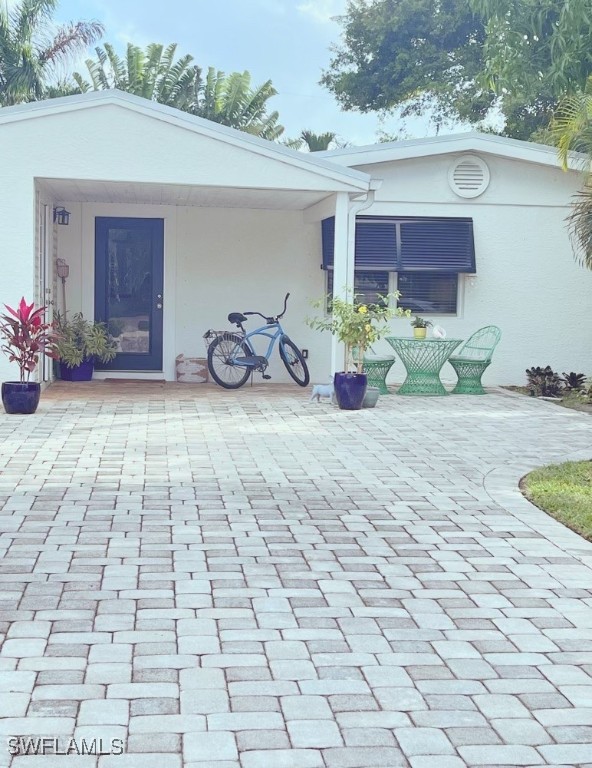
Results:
<point x="216" y="261"/>
<point x="527" y="281"/>
<point x="228" y="257"/>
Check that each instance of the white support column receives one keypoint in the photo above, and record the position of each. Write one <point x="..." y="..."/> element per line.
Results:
<point x="343" y="285"/>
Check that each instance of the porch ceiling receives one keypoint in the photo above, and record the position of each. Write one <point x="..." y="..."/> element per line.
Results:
<point x="86" y="191"/>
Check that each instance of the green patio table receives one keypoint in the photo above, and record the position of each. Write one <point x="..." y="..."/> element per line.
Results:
<point x="423" y="360"/>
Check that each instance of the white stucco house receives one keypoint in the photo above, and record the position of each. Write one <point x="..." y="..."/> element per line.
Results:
<point x="175" y="221"/>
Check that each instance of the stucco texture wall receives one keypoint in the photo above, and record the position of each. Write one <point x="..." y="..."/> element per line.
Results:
<point x="216" y="261"/>
<point x="527" y="281"/>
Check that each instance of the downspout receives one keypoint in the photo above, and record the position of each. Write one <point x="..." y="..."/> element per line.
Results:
<point x="356" y="207"/>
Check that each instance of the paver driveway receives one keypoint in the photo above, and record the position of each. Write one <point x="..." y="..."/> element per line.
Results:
<point x="244" y="579"/>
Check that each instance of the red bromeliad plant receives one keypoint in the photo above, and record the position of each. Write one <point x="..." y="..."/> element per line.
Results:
<point x="27" y="336"/>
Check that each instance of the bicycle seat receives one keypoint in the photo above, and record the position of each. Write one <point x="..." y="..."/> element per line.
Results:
<point x="236" y="317"/>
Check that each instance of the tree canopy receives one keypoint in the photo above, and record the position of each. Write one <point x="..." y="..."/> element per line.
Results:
<point x="460" y="59"/>
<point x="33" y="47"/>
<point x="155" y="74"/>
<point x="410" y="53"/>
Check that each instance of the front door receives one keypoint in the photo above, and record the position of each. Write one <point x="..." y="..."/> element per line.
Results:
<point x="129" y="258"/>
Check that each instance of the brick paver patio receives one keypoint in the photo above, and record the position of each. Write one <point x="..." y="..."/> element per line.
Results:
<point x="245" y="579"/>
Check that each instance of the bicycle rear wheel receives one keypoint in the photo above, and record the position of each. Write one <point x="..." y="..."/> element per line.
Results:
<point x="294" y="362"/>
<point x="221" y="352"/>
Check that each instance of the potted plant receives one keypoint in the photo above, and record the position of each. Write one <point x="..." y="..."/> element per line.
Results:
<point x="420" y="326"/>
<point x="358" y="325"/>
<point x="79" y="343"/>
<point x="27" y="336"/>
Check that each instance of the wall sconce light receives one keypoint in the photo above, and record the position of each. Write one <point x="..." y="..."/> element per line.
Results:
<point x="61" y="215"/>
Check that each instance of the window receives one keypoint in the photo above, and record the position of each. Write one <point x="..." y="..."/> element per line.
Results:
<point x="428" y="292"/>
<point x="369" y="285"/>
<point x="424" y="255"/>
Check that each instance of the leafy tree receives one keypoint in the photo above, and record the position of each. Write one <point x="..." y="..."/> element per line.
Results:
<point x="318" y="142"/>
<point x="231" y="100"/>
<point x="33" y="48"/>
<point x="413" y="54"/>
<point x="314" y="142"/>
<point x="461" y="59"/>
<point x="572" y="130"/>
<point x="153" y="74"/>
<point x="537" y="47"/>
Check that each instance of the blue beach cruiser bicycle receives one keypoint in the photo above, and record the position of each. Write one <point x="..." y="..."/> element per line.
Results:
<point x="232" y="357"/>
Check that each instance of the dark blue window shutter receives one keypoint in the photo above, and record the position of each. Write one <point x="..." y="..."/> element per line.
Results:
<point x="328" y="234"/>
<point x="442" y="245"/>
<point x="376" y="246"/>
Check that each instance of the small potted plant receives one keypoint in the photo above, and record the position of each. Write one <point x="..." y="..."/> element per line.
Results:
<point x="420" y="326"/>
<point x="358" y="325"/>
<point x="79" y="343"/>
<point x="26" y="338"/>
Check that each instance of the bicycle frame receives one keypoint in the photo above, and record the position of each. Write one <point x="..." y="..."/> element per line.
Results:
<point x="264" y="330"/>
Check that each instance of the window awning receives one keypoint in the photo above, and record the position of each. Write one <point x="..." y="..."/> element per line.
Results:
<point x="411" y="244"/>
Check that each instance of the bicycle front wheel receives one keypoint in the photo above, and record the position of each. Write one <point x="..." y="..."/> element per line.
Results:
<point x="221" y="354"/>
<point x="294" y="362"/>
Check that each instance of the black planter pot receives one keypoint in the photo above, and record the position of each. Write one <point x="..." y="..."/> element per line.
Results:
<point x="350" y="389"/>
<point x="82" y="372"/>
<point x="20" y="396"/>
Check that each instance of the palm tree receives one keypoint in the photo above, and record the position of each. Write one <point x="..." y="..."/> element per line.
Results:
<point x="153" y="74"/>
<point x="572" y="130"/>
<point x="231" y="100"/>
<point x="315" y="142"/>
<point x="318" y="142"/>
<point x="32" y="48"/>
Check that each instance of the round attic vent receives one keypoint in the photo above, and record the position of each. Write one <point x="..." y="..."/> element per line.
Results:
<point x="468" y="176"/>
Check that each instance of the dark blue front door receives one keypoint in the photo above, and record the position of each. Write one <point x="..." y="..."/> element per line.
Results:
<point x="129" y="258"/>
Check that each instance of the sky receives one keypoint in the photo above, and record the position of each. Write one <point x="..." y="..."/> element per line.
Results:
<point x="287" y="41"/>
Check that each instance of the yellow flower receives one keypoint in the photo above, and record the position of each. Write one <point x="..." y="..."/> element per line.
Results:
<point x="363" y="309"/>
<point x="368" y="328"/>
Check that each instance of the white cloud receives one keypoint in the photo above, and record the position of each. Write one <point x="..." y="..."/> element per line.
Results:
<point x="321" y="11"/>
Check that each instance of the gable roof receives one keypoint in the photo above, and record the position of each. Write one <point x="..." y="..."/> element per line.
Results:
<point x="309" y="162"/>
<point x="471" y="141"/>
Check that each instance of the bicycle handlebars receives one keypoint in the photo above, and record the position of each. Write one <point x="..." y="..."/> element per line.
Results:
<point x="272" y="319"/>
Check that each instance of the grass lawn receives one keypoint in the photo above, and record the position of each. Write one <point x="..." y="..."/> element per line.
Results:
<point x="564" y="491"/>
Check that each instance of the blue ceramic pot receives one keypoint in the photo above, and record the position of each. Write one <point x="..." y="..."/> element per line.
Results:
<point x="82" y="372"/>
<point x="350" y="389"/>
<point x="20" y="396"/>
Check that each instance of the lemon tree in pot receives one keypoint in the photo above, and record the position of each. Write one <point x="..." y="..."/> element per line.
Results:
<point x="27" y="337"/>
<point x="81" y="342"/>
<point x="358" y="325"/>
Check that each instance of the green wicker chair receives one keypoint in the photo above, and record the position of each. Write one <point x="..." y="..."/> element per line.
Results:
<point x="376" y="368"/>
<point x="473" y="358"/>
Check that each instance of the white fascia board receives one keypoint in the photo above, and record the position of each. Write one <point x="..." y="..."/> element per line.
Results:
<point x="308" y="162"/>
<point x="473" y="141"/>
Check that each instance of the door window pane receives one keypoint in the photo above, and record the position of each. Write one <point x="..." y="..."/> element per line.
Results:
<point x="129" y="289"/>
